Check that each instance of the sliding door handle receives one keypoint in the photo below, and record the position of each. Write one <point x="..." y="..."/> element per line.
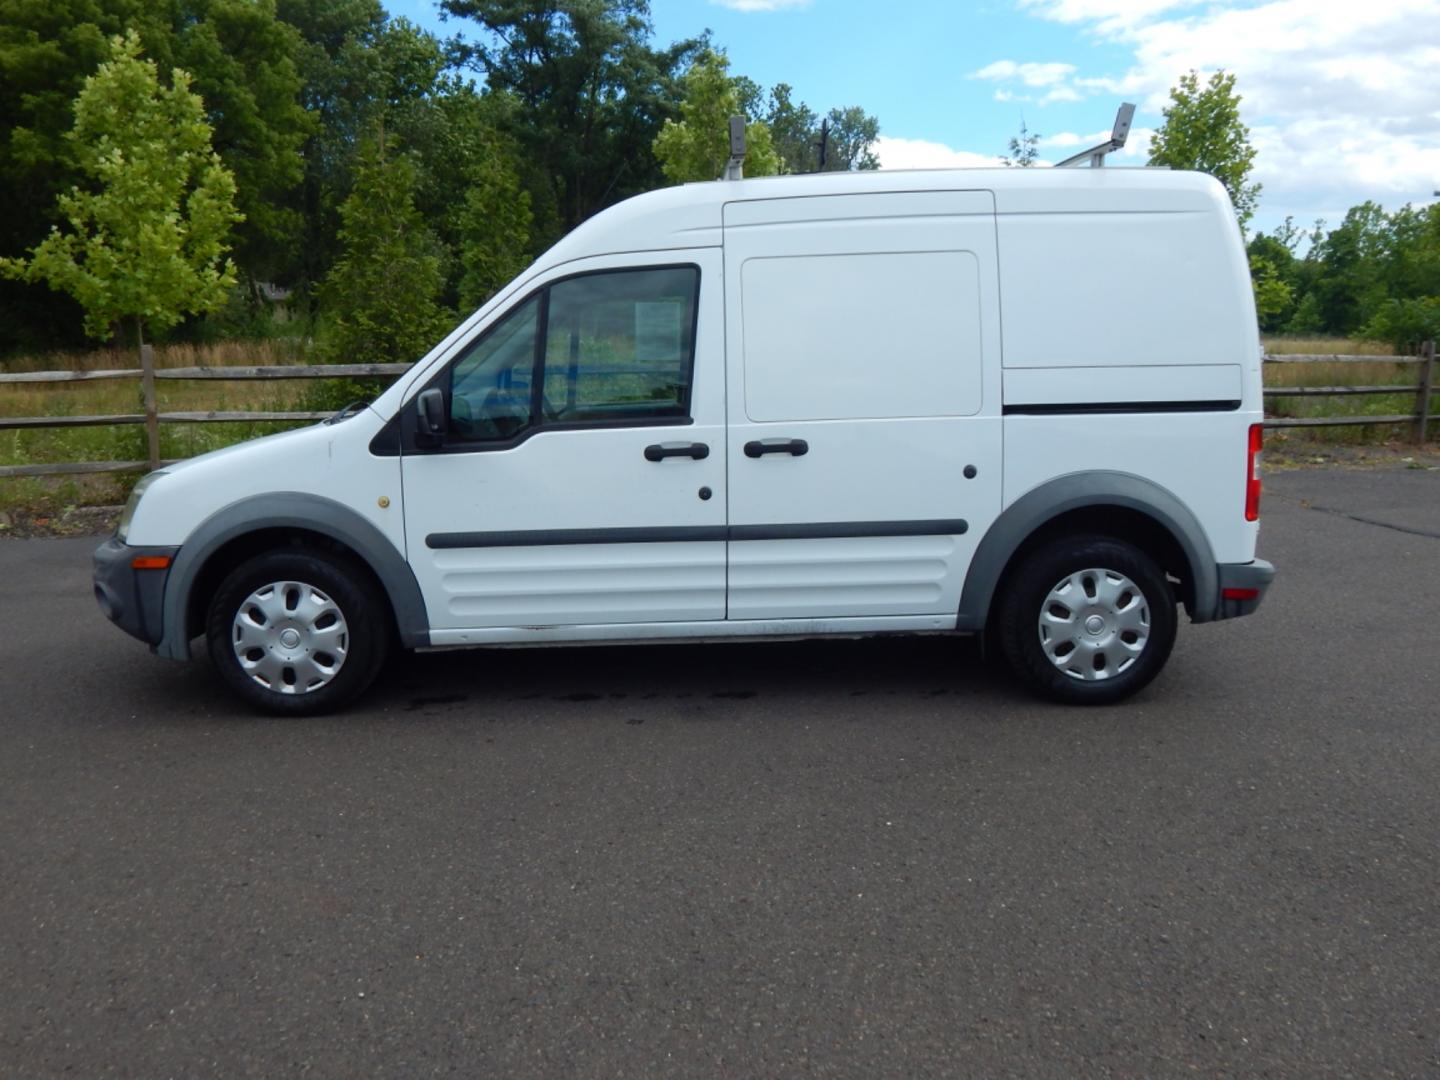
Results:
<point x="660" y="451"/>
<point x="761" y="447"/>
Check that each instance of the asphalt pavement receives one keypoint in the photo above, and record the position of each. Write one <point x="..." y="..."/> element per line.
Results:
<point x="844" y="858"/>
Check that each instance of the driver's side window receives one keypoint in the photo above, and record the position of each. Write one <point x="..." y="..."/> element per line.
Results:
<point x="610" y="348"/>
<point x="491" y="384"/>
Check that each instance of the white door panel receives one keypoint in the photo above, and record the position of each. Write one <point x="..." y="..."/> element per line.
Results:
<point x="884" y="351"/>
<point x="578" y="524"/>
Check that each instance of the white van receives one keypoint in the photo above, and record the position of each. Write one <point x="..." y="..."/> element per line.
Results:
<point x="1018" y="401"/>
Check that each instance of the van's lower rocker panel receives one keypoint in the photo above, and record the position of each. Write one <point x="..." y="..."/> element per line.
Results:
<point x="682" y="632"/>
<point x="835" y="530"/>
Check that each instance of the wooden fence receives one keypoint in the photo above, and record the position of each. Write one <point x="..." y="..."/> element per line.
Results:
<point x="152" y="418"/>
<point x="1423" y="388"/>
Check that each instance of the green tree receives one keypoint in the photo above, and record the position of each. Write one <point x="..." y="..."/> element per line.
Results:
<point x="793" y="126"/>
<point x="697" y="146"/>
<point x="1405" y="324"/>
<point x="852" y="140"/>
<point x="495" y="227"/>
<point x="1024" y="149"/>
<point x="795" y="129"/>
<point x="146" y="240"/>
<point x="591" y="92"/>
<point x="1273" y="298"/>
<point x="1202" y="130"/>
<point x="244" y="62"/>
<point x="381" y="299"/>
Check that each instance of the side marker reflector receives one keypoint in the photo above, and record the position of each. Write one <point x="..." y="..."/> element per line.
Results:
<point x="150" y="562"/>
<point x="1240" y="594"/>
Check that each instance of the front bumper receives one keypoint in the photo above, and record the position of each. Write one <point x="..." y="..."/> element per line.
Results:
<point x="1242" y="587"/>
<point x="132" y="599"/>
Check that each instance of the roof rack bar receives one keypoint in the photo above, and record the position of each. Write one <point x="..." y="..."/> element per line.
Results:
<point x="1118" y="134"/>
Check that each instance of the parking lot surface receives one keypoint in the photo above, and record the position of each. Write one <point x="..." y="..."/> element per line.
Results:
<point x="842" y="858"/>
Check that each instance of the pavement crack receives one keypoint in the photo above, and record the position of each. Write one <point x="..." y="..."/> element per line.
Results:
<point x="1306" y="504"/>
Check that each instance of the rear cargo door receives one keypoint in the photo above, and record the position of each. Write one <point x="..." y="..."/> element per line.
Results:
<point x="863" y="401"/>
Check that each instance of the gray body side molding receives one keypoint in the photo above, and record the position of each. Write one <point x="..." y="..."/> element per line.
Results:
<point x="313" y="513"/>
<point x="1074" y="492"/>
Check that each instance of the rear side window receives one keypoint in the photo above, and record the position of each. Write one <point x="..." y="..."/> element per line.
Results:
<point x="614" y="347"/>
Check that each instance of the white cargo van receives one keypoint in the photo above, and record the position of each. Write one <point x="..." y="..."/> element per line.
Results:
<point x="1018" y="401"/>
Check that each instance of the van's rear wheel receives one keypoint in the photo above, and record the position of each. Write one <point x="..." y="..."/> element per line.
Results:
<point x="1088" y="620"/>
<point x="297" y="632"/>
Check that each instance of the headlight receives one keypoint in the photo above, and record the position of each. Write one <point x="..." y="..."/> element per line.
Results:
<point x="123" y="529"/>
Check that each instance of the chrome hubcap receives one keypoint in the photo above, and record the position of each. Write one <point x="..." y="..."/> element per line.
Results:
<point x="290" y="637"/>
<point x="1094" y="624"/>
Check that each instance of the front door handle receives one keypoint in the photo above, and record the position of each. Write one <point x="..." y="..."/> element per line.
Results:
<point x="761" y="447"/>
<point x="660" y="451"/>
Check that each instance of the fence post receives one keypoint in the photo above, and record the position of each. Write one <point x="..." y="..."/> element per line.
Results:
<point x="1426" y="388"/>
<point x="152" y="418"/>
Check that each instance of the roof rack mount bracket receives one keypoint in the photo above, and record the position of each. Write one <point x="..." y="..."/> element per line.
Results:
<point x="1095" y="156"/>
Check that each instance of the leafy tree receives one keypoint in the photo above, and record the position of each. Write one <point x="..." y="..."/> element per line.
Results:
<point x="382" y="297"/>
<point x="1024" y="149"/>
<point x="793" y="126"/>
<point x="591" y="92"/>
<point x="1349" y="286"/>
<point x="146" y="240"/>
<point x="1273" y="298"/>
<point x="244" y="62"/>
<point x="1202" y="130"/>
<point x="1405" y="324"/>
<point x="796" y="132"/>
<point x="698" y="145"/>
<point x="495" y="225"/>
<point x="852" y="140"/>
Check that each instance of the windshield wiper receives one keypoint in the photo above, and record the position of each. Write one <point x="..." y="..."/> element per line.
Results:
<point x="347" y="412"/>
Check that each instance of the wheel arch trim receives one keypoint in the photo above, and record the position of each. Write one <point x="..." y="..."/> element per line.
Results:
<point x="304" y="512"/>
<point x="1076" y="491"/>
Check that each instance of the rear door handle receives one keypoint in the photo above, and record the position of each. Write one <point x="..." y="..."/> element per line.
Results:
<point x="660" y="451"/>
<point x="761" y="447"/>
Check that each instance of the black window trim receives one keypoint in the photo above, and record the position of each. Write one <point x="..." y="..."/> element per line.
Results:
<point x="441" y="379"/>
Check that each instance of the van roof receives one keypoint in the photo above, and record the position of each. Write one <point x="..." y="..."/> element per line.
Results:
<point x="692" y="215"/>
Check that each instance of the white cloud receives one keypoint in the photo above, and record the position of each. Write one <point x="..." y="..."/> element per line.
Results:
<point x="1031" y="74"/>
<point x="760" y="5"/>
<point x="895" y="153"/>
<point x="1338" y="93"/>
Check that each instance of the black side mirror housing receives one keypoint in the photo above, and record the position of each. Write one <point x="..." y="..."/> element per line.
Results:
<point x="430" y="416"/>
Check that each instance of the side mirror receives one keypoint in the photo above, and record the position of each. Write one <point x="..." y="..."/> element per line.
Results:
<point x="432" y="422"/>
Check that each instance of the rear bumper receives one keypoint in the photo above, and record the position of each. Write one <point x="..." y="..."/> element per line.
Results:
<point x="1242" y="587"/>
<point x="132" y="599"/>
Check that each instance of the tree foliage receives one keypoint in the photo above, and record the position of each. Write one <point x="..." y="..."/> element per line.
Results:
<point x="384" y="291"/>
<point x="562" y="122"/>
<point x="1202" y="130"/>
<point x="145" y="240"/>
<point x="592" y="94"/>
<point x="697" y="146"/>
<point x="796" y="130"/>
<point x="1024" y="149"/>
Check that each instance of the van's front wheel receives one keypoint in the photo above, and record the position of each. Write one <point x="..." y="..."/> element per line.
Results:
<point x="296" y="632"/>
<point x="1088" y="620"/>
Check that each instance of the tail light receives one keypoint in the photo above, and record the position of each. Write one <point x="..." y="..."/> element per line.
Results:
<point x="1252" y="472"/>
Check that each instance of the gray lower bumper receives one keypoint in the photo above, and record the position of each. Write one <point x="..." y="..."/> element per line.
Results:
<point x="1242" y="587"/>
<point x="132" y="599"/>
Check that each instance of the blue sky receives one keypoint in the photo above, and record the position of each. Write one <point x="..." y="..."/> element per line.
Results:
<point x="1342" y="96"/>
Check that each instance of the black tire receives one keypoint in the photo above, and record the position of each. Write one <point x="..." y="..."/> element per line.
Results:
<point x="363" y="631"/>
<point x="1027" y="591"/>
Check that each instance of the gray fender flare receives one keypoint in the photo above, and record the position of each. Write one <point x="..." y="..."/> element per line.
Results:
<point x="312" y="513"/>
<point x="1073" y="492"/>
